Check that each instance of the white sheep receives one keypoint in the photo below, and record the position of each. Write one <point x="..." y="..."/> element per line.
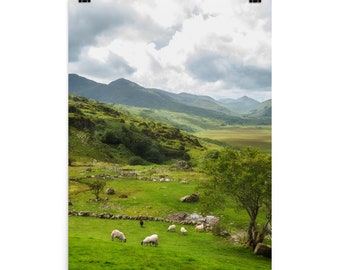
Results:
<point x="171" y="228"/>
<point x="117" y="234"/>
<point x="199" y="227"/>
<point x="147" y="240"/>
<point x="152" y="239"/>
<point x="183" y="230"/>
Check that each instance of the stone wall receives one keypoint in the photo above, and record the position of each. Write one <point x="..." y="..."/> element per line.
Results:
<point x="182" y="218"/>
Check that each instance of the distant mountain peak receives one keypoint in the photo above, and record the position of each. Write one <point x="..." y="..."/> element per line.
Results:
<point x="246" y="98"/>
<point x="123" y="91"/>
<point x="124" y="82"/>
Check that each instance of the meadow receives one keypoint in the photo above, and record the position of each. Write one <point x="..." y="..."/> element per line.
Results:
<point x="91" y="247"/>
<point x="139" y="191"/>
<point x="241" y="136"/>
<point x="145" y="197"/>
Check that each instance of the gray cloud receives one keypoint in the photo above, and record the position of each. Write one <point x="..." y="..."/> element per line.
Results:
<point x="217" y="57"/>
<point x="101" y="24"/>
<point x="211" y="67"/>
<point x="88" y="22"/>
<point x="163" y="38"/>
<point x="115" y="66"/>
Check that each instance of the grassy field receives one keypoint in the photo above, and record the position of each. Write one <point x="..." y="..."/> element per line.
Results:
<point x="90" y="247"/>
<point x="241" y="136"/>
<point x="152" y="198"/>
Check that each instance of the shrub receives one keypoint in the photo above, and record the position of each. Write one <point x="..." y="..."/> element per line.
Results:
<point x="186" y="157"/>
<point x="111" y="137"/>
<point x="96" y="186"/>
<point x="136" y="160"/>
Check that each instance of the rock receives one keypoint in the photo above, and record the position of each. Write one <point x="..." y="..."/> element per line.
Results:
<point x="184" y="182"/>
<point x="183" y="164"/>
<point x="84" y="213"/>
<point x="178" y="216"/>
<point x="263" y="250"/>
<point x="212" y="220"/>
<point x="190" y="198"/>
<point x="110" y="191"/>
<point x="196" y="216"/>
<point x="225" y="234"/>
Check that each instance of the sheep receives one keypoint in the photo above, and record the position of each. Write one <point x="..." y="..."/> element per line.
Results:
<point x="141" y="223"/>
<point x="152" y="239"/>
<point x="171" y="228"/>
<point x="147" y="240"/>
<point x="183" y="230"/>
<point x="117" y="234"/>
<point x="199" y="227"/>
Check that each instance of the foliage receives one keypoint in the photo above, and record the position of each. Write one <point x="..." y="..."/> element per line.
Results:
<point x="136" y="160"/>
<point x="96" y="186"/>
<point x="111" y="137"/>
<point x="104" y="132"/>
<point x="245" y="176"/>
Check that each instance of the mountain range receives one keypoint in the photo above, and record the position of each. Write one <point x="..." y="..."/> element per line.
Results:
<point x="230" y="111"/>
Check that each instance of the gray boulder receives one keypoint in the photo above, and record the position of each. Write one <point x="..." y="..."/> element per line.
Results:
<point x="110" y="191"/>
<point x="190" y="198"/>
<point x="263" y="250"/>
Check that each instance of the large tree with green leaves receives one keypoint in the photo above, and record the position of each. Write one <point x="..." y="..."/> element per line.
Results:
<point x="245" y="176"/>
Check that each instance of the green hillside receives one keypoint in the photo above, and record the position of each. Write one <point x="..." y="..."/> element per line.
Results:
<point x="184" y="105"/>
<point x="107" y="133"/>
<point x="262" y="110"/>
<point x="193" y="123"/>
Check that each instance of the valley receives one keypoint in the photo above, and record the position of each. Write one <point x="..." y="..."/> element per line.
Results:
<point x="149" y="158"/>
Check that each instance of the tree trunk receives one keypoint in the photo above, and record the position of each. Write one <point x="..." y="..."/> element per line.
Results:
<point x="252" y="234"/>
<point x="264" y="232"/>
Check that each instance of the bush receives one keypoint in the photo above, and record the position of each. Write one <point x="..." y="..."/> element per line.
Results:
<point x="96" y="186"/>
<point x="186" y="157"/>
<point x="136" y="160"/>
<point x="111" y="137"/>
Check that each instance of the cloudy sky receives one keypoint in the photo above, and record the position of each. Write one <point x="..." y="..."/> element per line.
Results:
<point x="219" y="48"/>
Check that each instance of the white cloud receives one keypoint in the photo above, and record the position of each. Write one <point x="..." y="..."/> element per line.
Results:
<point x="203" y="47"/>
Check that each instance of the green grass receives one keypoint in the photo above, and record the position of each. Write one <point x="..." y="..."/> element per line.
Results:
<point x="144" y="197"/>
<point x="90" y="247"/>
<point x="241" y="136"/>
<point x="157" y="199"/>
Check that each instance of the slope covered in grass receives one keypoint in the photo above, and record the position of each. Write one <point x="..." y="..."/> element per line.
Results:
<point x="90" y="247"/>
<point x="103" y="132"/>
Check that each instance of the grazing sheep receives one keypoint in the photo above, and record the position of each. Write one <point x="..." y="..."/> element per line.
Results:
<point x="171" y="228"/>
<point x="152" y="239"/>
<point x="199" y="227"/>
<point x="117" y="234"/>
<point x="146" y="241"/>
<point x="183" y="230"/>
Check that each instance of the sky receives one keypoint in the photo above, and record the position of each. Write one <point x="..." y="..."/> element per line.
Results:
<point x="218" y="48"/>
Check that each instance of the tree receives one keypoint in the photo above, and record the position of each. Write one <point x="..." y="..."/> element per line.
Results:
<point x="111" y="137"/>
<point x="245" y="176"/>
<point x="96" y="187"/>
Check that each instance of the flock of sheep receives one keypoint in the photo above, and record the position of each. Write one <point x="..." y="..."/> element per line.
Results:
<point x="152" y="239"/>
